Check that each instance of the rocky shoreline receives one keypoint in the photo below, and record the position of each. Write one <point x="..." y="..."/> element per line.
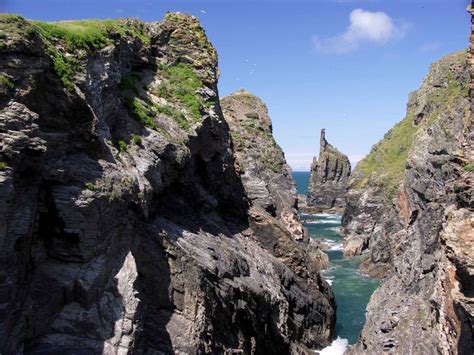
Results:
<point x="410" y="223"/>
<point x="140" y="212"/>
<point x="131" y="220"/>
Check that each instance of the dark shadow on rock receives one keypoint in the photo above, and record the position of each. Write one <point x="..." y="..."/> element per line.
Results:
<point x="153" y="285"/>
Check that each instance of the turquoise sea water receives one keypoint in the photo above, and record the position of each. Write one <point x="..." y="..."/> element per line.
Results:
<point x="302" y="180"/>
<point x="351" y="288"/>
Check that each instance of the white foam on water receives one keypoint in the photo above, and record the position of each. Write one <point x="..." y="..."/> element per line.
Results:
<point x="337" y="246"/>
<point x="329" y="279"/>
<point x="322" y="221"/>
<point x="328" y="215"/>
<point x="328" y="241"/>
<point x="337" y="347"/>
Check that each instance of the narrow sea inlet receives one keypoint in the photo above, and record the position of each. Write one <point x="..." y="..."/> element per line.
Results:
<point x="351" y="288"/>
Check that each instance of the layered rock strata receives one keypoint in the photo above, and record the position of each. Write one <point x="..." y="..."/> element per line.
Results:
<point x="266" y="176"/>
<point x="329" y="177"/>
<point x="124" y="222"/>
<point x="410" y="211"/>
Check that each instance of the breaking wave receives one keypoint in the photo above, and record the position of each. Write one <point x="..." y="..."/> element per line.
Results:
<point x="337" y="347"/>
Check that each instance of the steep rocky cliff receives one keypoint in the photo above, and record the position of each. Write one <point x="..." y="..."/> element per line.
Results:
<point x="410" y="211"/>
<point x="329" y="177"/>
<point x="265" y="175"/>
<point x="124" y="222"/>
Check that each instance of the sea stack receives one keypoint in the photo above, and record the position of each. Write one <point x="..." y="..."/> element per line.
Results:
<point x="329" y="177"/>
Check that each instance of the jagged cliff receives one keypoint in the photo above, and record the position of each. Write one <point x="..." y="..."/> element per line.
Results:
<point x="410" y="211"/>
<point x="265" y="175"/>
<point x="329" y="177"/>
<point x="125" y="223"/>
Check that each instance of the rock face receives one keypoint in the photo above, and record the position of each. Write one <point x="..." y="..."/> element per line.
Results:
<point x="329" y="177"/>
<point x="410" y="211"/>
<point x="125" y="224"/>
<point x="266" y="176"/>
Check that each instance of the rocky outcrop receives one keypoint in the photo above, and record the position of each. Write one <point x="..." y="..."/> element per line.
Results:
<point x="410" y="211"/>
<point x="265" y="175"/>
<point x="329" y="177"/>
<point x="125" y="224"/>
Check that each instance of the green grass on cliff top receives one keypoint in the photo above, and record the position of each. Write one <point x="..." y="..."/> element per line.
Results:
<point x="91" y="34"/>
<point x="385" y="165"/>
<point x="15" y="26"/>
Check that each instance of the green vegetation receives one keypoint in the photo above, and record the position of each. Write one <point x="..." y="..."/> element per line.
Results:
<point x="77" y="35"/>
<point x="129" y="82"/>
<point x="136" y="139"/>
<point x="122" y="146"/>
<point x="181" y="84"/>
<point x="274" y="165"/>
<point x="91" y="34"/>
<point x="140" y="112"/>
<point x="90" y="186"/>
<point x="86" y="34"/>
<point x="457" y="189"/>
<point x="386" y="161"/>
<point x="161" y="66"/>
<point x="15" y="26"/>
<point x="239" y="141"/>
<point x="271" y="156"/>
<point x="189" y="30"/>
<point x="385" y="165"/>
<point x="3" y="165"/>
<point x="5" y="86"/>
<point x="469" y="167"/>
<point x="64" y="67"/>
<point x="175" y="114"/>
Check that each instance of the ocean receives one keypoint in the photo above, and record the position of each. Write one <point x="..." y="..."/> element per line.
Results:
<point x="352" y="289"/>
<point x="302" y="181"/>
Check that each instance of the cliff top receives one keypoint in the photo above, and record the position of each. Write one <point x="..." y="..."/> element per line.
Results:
<point x="245" y="106"/>
<point x="71" y="42"/>
<point x="251" y="127"/>
<point x="167" y="69"/>
<point x="446" y="81"/>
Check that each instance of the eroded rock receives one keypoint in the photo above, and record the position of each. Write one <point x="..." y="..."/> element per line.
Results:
<point x="329" y="177"/>
<point x="124" y="222"/>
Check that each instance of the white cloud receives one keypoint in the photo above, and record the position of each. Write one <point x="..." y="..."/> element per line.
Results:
<point x="365" y="27"/>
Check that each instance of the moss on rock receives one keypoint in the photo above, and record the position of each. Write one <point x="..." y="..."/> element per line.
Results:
<point x="385" y="165"/>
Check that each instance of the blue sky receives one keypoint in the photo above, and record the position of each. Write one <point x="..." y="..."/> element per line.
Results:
<point x="344" y="65"/>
